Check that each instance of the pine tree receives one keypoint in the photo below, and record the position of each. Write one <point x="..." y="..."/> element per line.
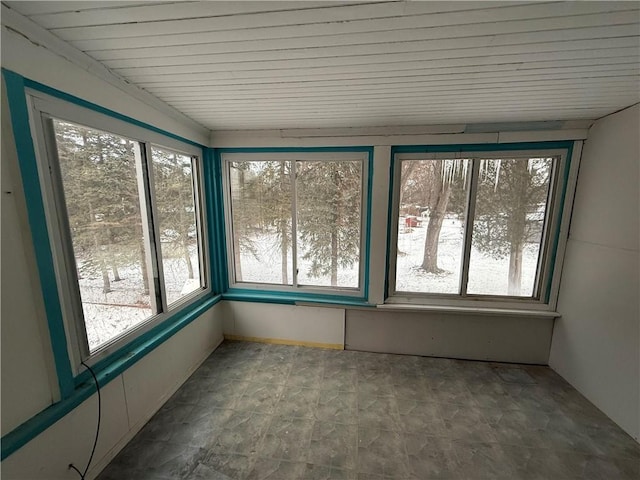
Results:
<point x="328" y="215"/>
<point x="172" y="175"/>
<point x="101" y="196"/>
<point x="511" y="196"/>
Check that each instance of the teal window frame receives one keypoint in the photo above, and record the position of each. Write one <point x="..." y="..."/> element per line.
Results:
<point x="74" y="389"/>
<point x="291" y="296"/>
<point x="561" y="191"/>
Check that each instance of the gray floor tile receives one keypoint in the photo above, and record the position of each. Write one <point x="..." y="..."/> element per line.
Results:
<point x="287" y="439"/>
<point x="256" y="411"/>
<point x="298" y="402"/>
<point x="274" y="469"/>
<point x="379" y="412"/>
<point x="223" y="466"/>
<point x="382" y="452"/>
<point x="242" y="433"/>
<point x="334" y="445"/>
<point x="430" y="457"/>
<point x="319" y="472"/>
<point x="341" y="407"/>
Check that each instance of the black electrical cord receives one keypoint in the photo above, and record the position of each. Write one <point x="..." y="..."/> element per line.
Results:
<point x="95" y="442"/>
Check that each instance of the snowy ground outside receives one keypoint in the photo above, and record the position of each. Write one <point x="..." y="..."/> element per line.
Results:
<point x="487" y="275"/>
<point x="125" y="307"/>
<point x="109" y="315"/>
<point x="266" y="266"/>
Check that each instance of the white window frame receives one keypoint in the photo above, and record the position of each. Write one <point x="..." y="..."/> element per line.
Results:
<point x="556" y="223"/>
<point x="42" y="109"/>
<point x="229" y="157"/>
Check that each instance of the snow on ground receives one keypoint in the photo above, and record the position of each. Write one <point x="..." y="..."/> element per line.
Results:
<point x="126" y="306"/>
<point x="487" y="275"/>
<point x="266" y="265"/>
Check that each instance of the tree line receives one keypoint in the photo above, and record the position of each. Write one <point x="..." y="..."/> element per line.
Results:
<point x="98" y="171"/>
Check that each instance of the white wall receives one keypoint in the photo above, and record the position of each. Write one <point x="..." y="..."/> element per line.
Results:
<point x="596" y="342"/>
<point x="128" y="402"/>
<point x="28" y="377"/>
<point x="302" y="325"/>
<point x="29" y="384"/>
<point x="451" y="335"/>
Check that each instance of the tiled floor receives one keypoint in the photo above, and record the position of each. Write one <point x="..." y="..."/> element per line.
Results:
<point x="255" y="411"/>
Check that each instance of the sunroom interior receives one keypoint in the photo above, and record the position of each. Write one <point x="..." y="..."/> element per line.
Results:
<point x="455" y="180"/>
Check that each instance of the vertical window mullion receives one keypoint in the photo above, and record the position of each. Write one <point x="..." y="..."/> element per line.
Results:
<point x="198" y="201"/>
<point x="71" y="300"/>
<point x="150" y="228"/>
<point x="294" y="223"/>
<point x="541" y="271"/>
<point x="468" y="226"/>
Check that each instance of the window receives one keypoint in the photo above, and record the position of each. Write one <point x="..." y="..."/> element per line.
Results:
<point x="474" y="225"/>
<point x="295" y="221"/>
<point x="125" y="222"/>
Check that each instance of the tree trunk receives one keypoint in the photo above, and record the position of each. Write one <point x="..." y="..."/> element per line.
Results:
<point x="334" y="258"/>
<point x="436" y="217"/>
<point x="407" y="169"/>
<point x="515" y="268"/>
<point x="284" y="243"/>
<point x="106" y="284"/>
<point x="236" y="255"/>
<point x="335" y="217"/>
<point x="516" y="228"/>
<point x="143" y="267"/>
<point x="187" y="258"/>
<point x="116" y="273"/>
<point x="284" y="250"/>
<point x="239" y="229"/>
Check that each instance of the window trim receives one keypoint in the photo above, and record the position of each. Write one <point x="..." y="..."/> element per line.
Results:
<point x="562" y="186"/>
<point x="43" y="108"/>
<point x="291" y="292"/>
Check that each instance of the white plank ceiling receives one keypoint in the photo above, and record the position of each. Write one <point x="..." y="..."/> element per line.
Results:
<point x="253" y="65"/>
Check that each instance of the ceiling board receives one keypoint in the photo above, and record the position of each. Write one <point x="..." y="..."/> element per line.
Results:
<point x="246" y="65"/>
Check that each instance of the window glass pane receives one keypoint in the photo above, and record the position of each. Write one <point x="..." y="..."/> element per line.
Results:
<point x="508" y="225"/>
<point x="261" y="216"/>
<point x="433" y="196"/>
<point x="328" y="204"/>
<point x="100" y="185"/>
<point x="176" y="212"/>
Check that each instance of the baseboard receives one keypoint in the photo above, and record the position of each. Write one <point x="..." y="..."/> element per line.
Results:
<point x="284" y="341"/>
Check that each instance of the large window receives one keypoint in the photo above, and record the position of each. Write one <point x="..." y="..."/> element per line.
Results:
<point x="125" y="221"/>
<point x="476" y="225"/>
<point x="295" y="221"/>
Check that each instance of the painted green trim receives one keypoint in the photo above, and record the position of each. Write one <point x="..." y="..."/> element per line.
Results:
<point x="556" y="239"/>
<point x="291" y="298"/>
<point x="392" y="163"/>
<point x="484" y="147"/>
<point x="367" y="228"/>
<point x="210" y="209"/>
<point x="219" y="219"/>
<point x="74" y="390"/>
<point x="107" y="371"/>
<point x="368" y="184"/>
<point x="35" y="209"/>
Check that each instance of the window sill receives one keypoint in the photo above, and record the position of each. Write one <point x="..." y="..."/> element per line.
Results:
<point x="506" y="312"/>
<point x="310" y="300"/>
